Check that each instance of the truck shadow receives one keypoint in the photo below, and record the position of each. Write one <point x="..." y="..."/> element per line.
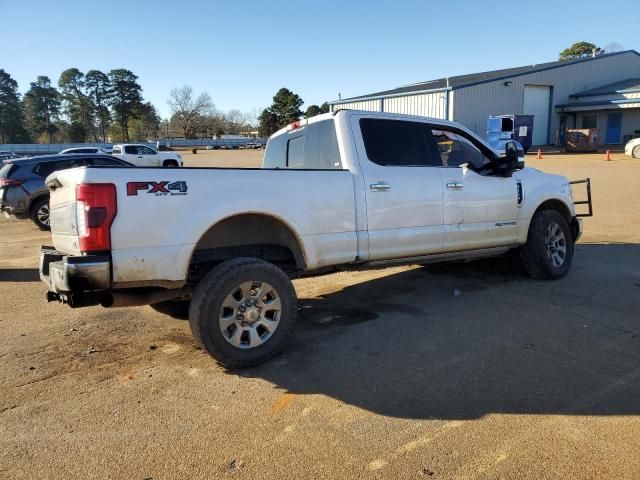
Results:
<point x="19" y="275"/>
<point x="461" y="341"/>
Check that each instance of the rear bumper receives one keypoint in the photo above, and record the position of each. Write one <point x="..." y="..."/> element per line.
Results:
<point x="76" y="280"/>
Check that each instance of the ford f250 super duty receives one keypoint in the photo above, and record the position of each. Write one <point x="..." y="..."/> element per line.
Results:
<point x="343" y="190"/>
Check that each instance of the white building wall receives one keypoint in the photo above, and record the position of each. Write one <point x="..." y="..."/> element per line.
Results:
<point x="475" y="103"/>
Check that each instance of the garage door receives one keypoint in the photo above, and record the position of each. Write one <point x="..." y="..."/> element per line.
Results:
<point x="536" y="103"/>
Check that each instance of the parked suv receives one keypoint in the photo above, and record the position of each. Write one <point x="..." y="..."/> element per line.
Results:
<point x="23" y="193"/>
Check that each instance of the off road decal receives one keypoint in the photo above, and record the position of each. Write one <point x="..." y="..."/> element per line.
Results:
<point x="157" y="188"/>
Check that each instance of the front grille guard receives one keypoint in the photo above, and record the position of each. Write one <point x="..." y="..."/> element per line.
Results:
<point x="587" y="202"/>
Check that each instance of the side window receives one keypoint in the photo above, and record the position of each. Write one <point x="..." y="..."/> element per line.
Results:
<point x="396" y="143"/>
<point x="105" y="162"/>
<point x="456" y="150"/>
<point x="44" y="169"/>
<point x="275" y="156"/>
<point x="295" y="152"/>
<point x="131" y="150"/>
<point x="321" y="146"/>
<point x="147" y="151"/>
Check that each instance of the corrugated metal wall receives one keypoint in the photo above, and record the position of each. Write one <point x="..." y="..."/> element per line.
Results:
<point x="369" y="105"/>
<point x="475" y="103"/>
<point x="425" y="105"/>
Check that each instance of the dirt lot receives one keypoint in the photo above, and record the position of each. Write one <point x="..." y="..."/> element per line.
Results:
<point x="465" y="371"/>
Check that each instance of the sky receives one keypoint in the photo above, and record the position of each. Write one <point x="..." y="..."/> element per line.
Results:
<point x="242" y="52"/>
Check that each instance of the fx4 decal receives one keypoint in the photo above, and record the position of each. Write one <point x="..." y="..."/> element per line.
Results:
<point x="157" y="188"/>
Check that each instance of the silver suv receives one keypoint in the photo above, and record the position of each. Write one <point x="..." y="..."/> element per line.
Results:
<point x="23" y="193"/>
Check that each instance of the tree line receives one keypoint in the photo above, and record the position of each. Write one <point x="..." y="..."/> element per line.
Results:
<point x="91" y="107"/>
<point x="109" y="107"/>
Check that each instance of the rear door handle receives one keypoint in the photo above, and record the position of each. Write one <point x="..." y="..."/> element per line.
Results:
<point x="379" y="187"/>
<point x="455" y="185"/>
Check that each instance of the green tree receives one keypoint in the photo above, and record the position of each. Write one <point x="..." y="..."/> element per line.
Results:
<point x="98" y="89"/>
<point x="76" y="104"/>
<point x="42" y="108"/>
<point x="146" y="123"/>
<point x="324" y="108"/>
<point x="267" y="123"/>
<point x="312" y="111"/>
<point x="125" y="99"/>
<point x="12" y="129"/>
<point x="286" y="105"/>
<point x="580" y="49"/>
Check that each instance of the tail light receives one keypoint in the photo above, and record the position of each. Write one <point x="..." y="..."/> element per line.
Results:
<point x="9" y="182"/>
<point x="96" y="210"/>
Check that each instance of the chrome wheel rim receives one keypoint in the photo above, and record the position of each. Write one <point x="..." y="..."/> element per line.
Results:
<point x="43" y="214"/>
<point x="250" y="314"/>
<point x="556" y="244"/>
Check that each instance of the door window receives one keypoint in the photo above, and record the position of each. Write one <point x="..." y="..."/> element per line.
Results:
<point x="147" y="151"/>
<point x="456" y="150"/>
<point x="396" y="143"/>
<point x="131" y="149"/>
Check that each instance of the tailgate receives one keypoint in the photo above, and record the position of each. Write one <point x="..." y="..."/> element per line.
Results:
<point x="62" y="206"/>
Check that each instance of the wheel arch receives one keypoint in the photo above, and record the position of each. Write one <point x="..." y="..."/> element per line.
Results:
<point x="253" y="234"/>
<point x="563" y="209"/>
<point x="35" y="198"/>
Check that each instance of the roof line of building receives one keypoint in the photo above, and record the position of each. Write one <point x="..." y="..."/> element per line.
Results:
<point x="470" y="84"/>
<point x="390" y="95"/>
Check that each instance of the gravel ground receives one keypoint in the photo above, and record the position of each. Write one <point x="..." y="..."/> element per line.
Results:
<point x="461" y="371"/>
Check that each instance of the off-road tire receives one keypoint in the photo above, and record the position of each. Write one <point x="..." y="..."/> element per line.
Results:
<point x="207" y="301"/>
<point x="174" y="308"/>
<point x="535" y="260"/>
<point x="35" y="208"/>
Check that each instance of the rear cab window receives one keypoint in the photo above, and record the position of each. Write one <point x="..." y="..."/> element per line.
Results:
<point x="116" y="150"/>
<point x="313" y="147"/>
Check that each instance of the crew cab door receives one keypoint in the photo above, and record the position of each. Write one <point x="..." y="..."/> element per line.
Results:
<point x="140" y="155"/>
<point x="480" y="210"/>
<point x="403" y="188"/>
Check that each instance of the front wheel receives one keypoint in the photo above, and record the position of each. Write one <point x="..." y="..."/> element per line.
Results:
<point x="243" y="311"/>
<point x="40" y="213"/>
<point x="170" y="164"/>
<point x="635" y="153"/>
<point x="549" y="248"/>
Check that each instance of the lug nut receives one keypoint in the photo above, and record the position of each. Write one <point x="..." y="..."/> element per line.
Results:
<point x="242" y="309"/>
<point x="240" y="317"/>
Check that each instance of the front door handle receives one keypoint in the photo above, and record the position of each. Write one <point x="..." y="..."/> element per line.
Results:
<point x="455" y="185"/>
<point x="380" y="187"/>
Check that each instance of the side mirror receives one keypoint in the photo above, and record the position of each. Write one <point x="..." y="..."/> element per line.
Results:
<point x="514" y="155"/>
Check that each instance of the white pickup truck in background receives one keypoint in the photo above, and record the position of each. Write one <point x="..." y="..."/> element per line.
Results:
<point x="346" y="190"/>
<point x="143" y="156"/>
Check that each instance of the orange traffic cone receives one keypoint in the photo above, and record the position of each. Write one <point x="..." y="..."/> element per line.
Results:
<point x="539" y="153"/>
<point x="607" y="156"/>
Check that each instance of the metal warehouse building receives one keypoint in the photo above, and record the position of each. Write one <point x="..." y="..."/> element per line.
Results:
<point x="596" y="92"/>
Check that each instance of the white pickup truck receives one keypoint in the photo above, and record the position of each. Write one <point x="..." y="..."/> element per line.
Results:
<point x="344" y="190"/>
<point x="143" y="156"/>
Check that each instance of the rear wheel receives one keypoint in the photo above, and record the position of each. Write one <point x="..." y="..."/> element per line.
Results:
<point x="243" y="312"/>
<point x="40" y="213"/>
<point x="549" y="248"/>
<point x="636" y="151"/>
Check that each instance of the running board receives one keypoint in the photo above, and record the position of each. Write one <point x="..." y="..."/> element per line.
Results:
<point x="466" y="255"/>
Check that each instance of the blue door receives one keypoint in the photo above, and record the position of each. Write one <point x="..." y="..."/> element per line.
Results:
<point x="614" y="127"/>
